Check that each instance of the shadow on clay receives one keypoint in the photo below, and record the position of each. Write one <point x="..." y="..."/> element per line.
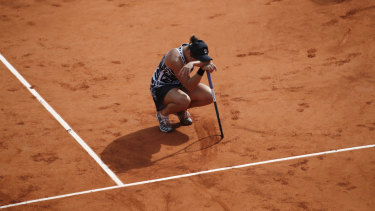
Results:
<point x="135" y="150"/>
<point x="199" y="145"/>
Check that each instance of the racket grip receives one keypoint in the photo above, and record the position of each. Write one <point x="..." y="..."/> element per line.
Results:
<point x="209" y="79"/>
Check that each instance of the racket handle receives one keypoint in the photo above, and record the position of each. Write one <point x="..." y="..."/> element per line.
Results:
<point x="209" y="80"/>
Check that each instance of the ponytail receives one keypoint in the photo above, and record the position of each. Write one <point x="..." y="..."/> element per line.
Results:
<point x="193" y="39"/>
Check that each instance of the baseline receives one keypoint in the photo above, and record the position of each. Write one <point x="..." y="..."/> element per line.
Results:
<point x="189" y="175"/>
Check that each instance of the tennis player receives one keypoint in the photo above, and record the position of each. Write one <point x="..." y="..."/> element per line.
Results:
<point x="175" y="88"/>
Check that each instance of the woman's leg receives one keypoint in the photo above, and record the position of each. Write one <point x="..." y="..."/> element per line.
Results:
<point x="176" y="100"/>
<point x="200" y="96"/>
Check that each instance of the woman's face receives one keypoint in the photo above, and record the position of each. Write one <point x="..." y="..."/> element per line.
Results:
<point x="206" y="62"/>
<point x="193" y="59"/>
<point x="191" y="56"/>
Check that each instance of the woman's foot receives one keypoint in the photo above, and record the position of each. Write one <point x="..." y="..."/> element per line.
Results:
<point x="184" y="117"/>
<point x="165" y="126"/>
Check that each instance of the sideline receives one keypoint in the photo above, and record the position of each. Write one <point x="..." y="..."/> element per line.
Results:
<point x="61" y="121"/>
<point x="189" y="175"/>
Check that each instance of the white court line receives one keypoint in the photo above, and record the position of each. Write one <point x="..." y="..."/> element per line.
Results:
<point x="188" y="175"/>
<point x="61" y="121"/>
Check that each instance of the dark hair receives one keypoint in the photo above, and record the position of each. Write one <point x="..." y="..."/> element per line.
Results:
<point x="193" y="39"/>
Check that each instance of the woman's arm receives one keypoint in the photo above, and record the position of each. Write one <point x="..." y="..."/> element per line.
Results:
<point x="193" y="81"/>
<point x="182" y="71"/>
<point x="186" y="69"/>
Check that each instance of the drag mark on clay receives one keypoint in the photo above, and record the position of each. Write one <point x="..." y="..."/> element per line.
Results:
<point x="123" y="5"/>
<point x="328" y="2"/>
<point x="291" y="172"/>
<point x="226" y="141"/>
<point x="2" y="146"/>
<point x="78" y="64"/>
<point x="80" y="86"/>
<point x="272" y="1"/>
<point x="124" y="120"/>
<point x="100" y="96"/>
<point x="353" y="12"/>
<point x="26" y="177"/>
<point x="168" y="200"/>
<point x="250" y="54"/>
<point x="330" y="23"/>
<point x="353" y="55"/>
<point x="223" y="98"/>
<point x="302" y="107"/>
<point x="264" y="78"/>
<point x="48" y="157"/>
<point x="26" y="191"/>
<point x="215" y="16"/>
<point x="303" y="205"/>
<point x="235" y="114"/>
<point x="345" y="37"/>
<point x="129" y="76"/>
<point x="368" y="126"/>
<point x="4" y="18"/>
<point x="12" y="89"/>
<point x="340" y="62"/>
<point x="56" y="5"/>
<point x="27" y="55"/>
<point x="255" y="131"/>
<point x="271" y="148"/>
<point x="97" y="79"/>
<point x="281" y="180"/>
<point x="30" y="23"/>
<point x="291" y="73"/>
<point x="240" y="99"/>
<point x="14" y="4"/>
<point x="332" y="134"/>
<point x="346" y="185"/>
<point x="109" y="106"/>
<point x="289" y="89"/>
<point x="311" y="53"/>
<point x="302" y="164"/>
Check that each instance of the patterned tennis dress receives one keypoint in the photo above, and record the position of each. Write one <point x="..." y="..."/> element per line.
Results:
<point x="164" y="80"/>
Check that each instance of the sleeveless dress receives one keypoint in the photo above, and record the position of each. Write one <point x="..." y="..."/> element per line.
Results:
<point x="164" y="80"/>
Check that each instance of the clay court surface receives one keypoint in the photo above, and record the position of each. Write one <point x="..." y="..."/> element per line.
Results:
<point x="294" y="77"/>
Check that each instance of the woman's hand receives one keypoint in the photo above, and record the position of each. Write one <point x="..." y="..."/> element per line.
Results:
<point x="209" y="67"/>
<point x="186" y="69"/>
<point x="201" y="64"/>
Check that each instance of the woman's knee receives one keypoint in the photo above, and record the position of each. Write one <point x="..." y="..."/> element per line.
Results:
<point x="205" y="94"/>
<point x="209" y="98"/>
<point x="184" y="101"/>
